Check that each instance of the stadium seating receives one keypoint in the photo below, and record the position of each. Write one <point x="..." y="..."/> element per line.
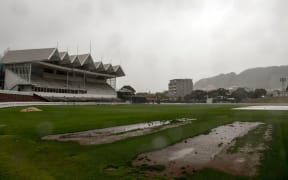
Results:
<point x="46" y="82"/>
<point x="100" y="88"/>
<point x="4" y="97"/>
<point x="54" y="75"/>
<point x="96" y="91"/>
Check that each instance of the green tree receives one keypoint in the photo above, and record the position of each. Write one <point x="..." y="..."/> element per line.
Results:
<point x="218" y="92"/>
<point x="162" y="95"/>
<point x="197" y="95"/>
<point x="240" y="94"/>
<point x="258" y="93"/>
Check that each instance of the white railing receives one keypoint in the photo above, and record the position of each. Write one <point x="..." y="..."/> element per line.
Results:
<point x="19" y="104"/>
<point x="67" y="95"/>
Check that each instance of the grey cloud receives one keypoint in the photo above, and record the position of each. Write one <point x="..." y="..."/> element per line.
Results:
<point x="19" y="8"/>
<point x="85" y="7"/>
<point x="154" y="40"/>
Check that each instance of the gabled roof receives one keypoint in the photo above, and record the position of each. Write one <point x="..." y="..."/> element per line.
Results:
<point x="63" y="54"/>
<point x="75" y="60"/>
<point x="29" y="55"/>
<point x="64" y="57"/>
<point x="118" y="71"/>
<point x="83" y="58"/>
<point x="72" y="58"/>
<point x="108" y="68"/>
<point x="87" y="62"/>
<point x="51" y="55"/>
<point x="99" y="66"/>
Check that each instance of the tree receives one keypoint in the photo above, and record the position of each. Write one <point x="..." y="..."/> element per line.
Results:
<point x="258" y="93"/>
<point x="142" y="94"/>
<point x="162" y="95"/>
<point x="240" y="94"/>
<point x="218" y="92"/>
<point x="197" y="95"/>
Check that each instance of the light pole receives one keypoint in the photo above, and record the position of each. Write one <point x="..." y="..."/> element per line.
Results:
<point x="283" y="80"/>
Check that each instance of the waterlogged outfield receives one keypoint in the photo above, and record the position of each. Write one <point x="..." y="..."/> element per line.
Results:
<point x="24" y="156"/>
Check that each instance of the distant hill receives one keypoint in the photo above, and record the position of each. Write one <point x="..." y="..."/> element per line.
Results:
<point x="264" y="77"/>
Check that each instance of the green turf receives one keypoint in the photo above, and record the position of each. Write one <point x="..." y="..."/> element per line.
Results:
<point x="24" y="156"/>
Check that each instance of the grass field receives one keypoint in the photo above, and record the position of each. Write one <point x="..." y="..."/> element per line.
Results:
<point x="23" y="155"/>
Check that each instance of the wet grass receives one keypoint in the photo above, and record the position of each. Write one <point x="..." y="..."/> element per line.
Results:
<point x="23" y="155"/>
<point x="146" y="167"/>
<point x="212" y="174"/>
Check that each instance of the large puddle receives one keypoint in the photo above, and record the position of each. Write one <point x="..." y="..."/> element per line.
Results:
<point x="112" y="134"/>
<point x="207" y="150"/>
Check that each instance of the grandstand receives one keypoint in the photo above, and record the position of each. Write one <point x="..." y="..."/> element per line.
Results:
<point x="58" y="76"/>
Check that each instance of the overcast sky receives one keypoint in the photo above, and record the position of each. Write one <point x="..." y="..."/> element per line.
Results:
<point x="154" y="40"/>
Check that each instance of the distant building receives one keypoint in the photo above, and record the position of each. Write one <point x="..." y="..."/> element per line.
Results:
<point x="178" y="88"/>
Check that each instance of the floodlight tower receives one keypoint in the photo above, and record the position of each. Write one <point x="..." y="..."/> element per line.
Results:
<point x="283" y="81"/>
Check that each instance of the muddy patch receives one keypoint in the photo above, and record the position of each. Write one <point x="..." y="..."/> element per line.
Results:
<point x="109" y="135"/>
<point x="220" y="149"/>
<point x="244" y="154"/>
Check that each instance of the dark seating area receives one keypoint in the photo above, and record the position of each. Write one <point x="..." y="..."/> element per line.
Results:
<point x="20" y="98"/>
